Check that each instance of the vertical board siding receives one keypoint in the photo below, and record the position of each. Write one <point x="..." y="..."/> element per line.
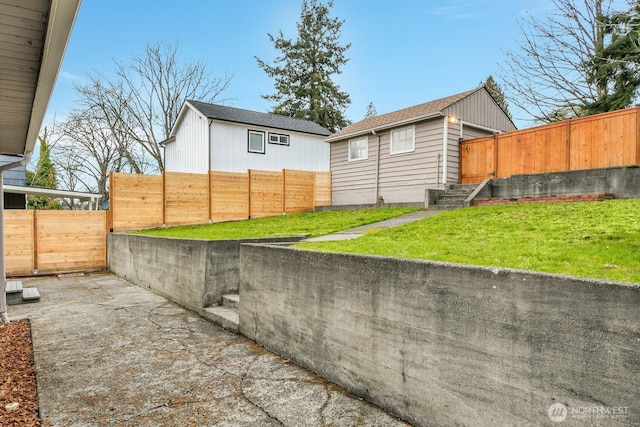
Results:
<point x="229" y="150"/>
<point x="599" y="141"/>
<point x="186" y="198"/>
<point x="70" y="240"/>
<point x="229" y="196"/>
<point x="188" y="153"/>
<point x="265" y="197"/>
<point x="136" y="201"/>
<point x="479" y="108"/>
<point x="19" y="243"/>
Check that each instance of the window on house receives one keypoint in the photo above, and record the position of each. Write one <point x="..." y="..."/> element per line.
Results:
<point x="359" y="149"/>
<point x="256" y="142"/>
<point x="277" y="138"/>
<point x="403" y="140"/>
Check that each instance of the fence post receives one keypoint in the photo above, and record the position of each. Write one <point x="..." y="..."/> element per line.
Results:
<point x="210" y="199"/>
<point x="248" y="193"/>
<point x="34" y="223"/>
<point x="284" y="189"/>
<point x="496" y="136"/>
<point x="164" y="201"/>
<point x="111" y="206"/>
<point x="568" y="142"/>
<point x="638" y="134"/>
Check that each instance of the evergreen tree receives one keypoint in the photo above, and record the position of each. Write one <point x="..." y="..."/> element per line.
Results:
<point x="496" y="92"/>
<point x="303" y="73"/>
<point x="44" y="176"/>
<point x="616" y="65"/>
<point x="371" y="111"/>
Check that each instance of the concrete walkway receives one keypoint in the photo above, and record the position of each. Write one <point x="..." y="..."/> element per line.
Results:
<point x="109" y="353"/>
<point x="354" y="233"/>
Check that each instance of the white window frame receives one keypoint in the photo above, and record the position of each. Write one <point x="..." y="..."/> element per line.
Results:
<point x="413" y="140"/>
<point x="364" y="139"/>
<point x="280" y="138"/>
<point x="255" y="132"/>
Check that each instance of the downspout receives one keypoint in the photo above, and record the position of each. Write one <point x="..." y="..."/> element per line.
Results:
<point x="373" y="131"/>
<point x="4" y="318"/>
<point x="209" y="166"/>
<point x="445" y="143"/>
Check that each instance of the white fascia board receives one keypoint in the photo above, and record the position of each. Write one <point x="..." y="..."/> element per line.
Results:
<point x="62" y="16"/>
<point x="386" y="126"/>
<point x="186" y="105"/>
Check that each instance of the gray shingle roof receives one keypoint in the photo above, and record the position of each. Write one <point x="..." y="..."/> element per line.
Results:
<point x="275" y="121"/>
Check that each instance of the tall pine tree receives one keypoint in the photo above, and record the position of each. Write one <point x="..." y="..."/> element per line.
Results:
<point x="498" y="95"/>
<point x="371" y="111"/>
<point x="44" y="176"/>
<point x="616" y="65"/>
<point x="303" y="71"/>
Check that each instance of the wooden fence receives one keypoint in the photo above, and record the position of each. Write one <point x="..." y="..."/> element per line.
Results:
<point x="54" y="241"/>
<point x="143" y="201"/>
<point x="599" y="141"/>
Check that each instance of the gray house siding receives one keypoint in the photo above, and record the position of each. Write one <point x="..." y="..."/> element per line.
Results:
<point x="404" y="177"/>
<point x="353" y="182"/>
<point x="481" y="109"/>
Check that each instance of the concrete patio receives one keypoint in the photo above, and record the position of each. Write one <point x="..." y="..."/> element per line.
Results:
<point x="111" y="353"/>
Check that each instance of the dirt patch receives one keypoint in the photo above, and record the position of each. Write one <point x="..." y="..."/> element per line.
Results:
<point x="18" y="392"/>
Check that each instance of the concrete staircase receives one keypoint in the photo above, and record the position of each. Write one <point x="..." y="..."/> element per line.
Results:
<point x="454" y="197"/>
<point x="227" y="314"/>
<point x="16" y="294"/>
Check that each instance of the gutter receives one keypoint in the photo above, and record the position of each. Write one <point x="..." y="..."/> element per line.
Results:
<point x="3" y="271"/>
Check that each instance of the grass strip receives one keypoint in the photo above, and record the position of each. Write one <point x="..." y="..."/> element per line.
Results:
<point x="586" y="239"/>
<point x="312" y="224"/>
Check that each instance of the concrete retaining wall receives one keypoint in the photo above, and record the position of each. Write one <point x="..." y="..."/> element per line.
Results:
<point x="192" y="273"/>
<point x="443" y="344"/>
<point x="623" y="182"/>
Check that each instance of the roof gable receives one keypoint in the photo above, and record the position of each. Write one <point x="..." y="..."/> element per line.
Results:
<point x="275" y="121"/>
<point x="406" y="115"/>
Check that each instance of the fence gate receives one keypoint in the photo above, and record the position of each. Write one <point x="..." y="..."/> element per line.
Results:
<point x="477" y="160"/>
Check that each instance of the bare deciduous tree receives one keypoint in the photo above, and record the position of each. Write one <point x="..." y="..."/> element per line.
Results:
<point x="120" y="122"/>
<point x="140" y="105"/>
<point x="547" y="77"/>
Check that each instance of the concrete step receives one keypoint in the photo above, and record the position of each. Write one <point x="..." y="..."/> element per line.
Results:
<point x="14" y="286"/>
<point x="445" y="207"/>
<point x="30" y="294"/>
<point x="231" y="301"/>
<point x="226" y="317"/>
<point x="16" y="294"/>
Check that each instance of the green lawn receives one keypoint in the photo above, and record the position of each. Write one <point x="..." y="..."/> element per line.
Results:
<point x="588" y="239"/>
<point x="313" y="224"/>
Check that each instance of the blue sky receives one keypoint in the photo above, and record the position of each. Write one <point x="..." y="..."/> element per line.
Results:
<point x="403" y="53"/>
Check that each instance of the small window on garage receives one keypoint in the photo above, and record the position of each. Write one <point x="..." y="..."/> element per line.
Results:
<point x="256" y="142"/>
<point x="278" y="138"/>
<point x="359" y="149"/>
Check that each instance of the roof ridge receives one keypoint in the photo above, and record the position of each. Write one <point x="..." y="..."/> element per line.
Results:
<point x="407" y="113"/>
